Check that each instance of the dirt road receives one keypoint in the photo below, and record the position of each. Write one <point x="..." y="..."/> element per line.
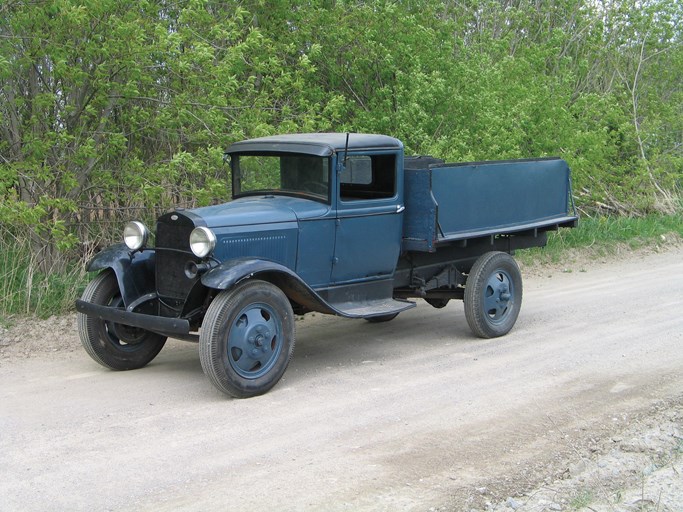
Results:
<point x="414" y="414"/>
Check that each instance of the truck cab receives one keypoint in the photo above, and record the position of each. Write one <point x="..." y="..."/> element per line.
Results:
<point x="345" y="191"/>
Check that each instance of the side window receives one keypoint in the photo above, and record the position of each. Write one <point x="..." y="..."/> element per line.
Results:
<point x="368" y="177"/>
<point x="358" y="171"/>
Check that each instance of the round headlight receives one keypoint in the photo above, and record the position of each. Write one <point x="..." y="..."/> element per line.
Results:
<point x="202" y="241"/>
<point x="135" y="235"/>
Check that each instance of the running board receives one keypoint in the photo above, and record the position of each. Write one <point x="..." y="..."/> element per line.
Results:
<point x="370" y="308"/>
<point x="364" y="300"/>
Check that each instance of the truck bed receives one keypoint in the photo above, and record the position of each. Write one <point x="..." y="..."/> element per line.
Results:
<point x="448" y="203"/>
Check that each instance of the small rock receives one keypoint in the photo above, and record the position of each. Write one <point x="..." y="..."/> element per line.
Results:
<point x="577" y="468"/>
<point x="634" y="446"/>
<point x="513" y="503"/>
<point x="641" y="504"/>
<point x="649" y="469"/>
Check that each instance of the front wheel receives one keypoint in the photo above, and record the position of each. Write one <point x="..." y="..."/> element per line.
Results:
<point x="493" y="295"/>
<point x="114" y="346"/>
<point x="247" y="339"/>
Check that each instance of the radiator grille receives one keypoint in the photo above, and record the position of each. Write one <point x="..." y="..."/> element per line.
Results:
<point x="172" y="254"/>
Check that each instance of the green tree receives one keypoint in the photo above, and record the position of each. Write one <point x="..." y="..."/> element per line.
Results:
<point x="114" y="109"/>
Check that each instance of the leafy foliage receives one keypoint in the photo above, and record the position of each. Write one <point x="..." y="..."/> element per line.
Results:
<point x="117" y="109"/>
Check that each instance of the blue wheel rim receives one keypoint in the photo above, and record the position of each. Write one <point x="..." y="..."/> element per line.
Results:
<point x="499" y="295"/>
<point x="255" y="341"/>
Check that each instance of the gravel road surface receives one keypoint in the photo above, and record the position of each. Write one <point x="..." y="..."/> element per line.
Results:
<point x="414" y="414"/>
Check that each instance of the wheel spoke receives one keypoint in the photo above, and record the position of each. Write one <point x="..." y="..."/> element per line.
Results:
<point x="237" y="342"/>
<point x="491" y="300"/>
<point x="254" y="317"/>
<point x="238" y="333"/>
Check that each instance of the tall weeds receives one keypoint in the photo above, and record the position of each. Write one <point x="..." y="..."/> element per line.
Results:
<point x="26" y="289"/>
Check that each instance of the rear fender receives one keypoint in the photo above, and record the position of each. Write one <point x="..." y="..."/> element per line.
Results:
<point x="134" y="270"/>
<point x="229" y="273"/>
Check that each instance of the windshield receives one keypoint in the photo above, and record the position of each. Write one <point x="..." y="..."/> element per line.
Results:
<point x="291" y="174"/>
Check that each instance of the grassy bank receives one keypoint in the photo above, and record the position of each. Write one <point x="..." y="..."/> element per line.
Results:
<point x="604" y="236"/>
<point x="25" y="290"/>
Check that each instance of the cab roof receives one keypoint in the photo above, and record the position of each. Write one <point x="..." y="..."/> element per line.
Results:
<point x="317" y="144"/>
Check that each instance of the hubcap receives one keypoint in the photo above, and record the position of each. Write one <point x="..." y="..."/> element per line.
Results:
<point x="255" y="341"/>
<point x="498" y="296"/>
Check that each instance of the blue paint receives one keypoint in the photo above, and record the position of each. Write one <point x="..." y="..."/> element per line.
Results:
<point x="375" y="230"/>
<point x="377" y="217"/>
<point x="451" y="202"/>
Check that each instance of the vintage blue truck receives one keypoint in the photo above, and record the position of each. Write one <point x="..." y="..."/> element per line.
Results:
<point x="342" y="224"/>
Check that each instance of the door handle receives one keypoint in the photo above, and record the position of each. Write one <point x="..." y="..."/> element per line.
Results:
<point x="400" y="208"/>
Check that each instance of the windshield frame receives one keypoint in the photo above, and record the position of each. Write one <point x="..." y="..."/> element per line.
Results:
<point x="237" y="175"/>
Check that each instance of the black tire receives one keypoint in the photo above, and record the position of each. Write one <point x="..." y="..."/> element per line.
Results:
<point x="493" y="295"/>
<point x="114" y="346"/>
<point x="247" y="339"/>
<point x="381" y="318"/>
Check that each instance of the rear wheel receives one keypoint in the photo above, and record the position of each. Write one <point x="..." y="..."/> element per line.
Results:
<point x="115" y="346"/>
<point x="493" y="295"/>
<point x="247" y="339"/>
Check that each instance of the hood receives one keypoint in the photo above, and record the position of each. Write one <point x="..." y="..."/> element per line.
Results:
<point x="249" y="211"/>
<point x="244" y="213"/>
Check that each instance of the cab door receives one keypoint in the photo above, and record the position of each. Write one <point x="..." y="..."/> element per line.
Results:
<point x="369" y="219"/>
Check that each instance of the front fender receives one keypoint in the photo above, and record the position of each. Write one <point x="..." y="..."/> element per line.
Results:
<point x="229" y="273"/>
<point x="134" y="270"/>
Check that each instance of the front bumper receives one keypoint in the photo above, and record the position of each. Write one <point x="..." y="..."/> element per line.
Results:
<point x="173" y="327"/>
